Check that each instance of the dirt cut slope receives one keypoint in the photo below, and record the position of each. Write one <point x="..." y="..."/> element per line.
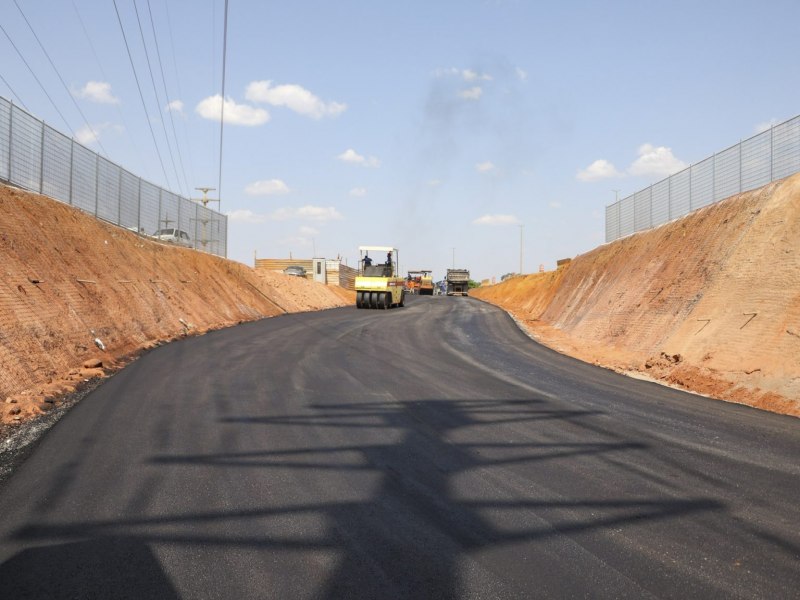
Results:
<point x="75" y="292"/>
<point x="710" y="302"/>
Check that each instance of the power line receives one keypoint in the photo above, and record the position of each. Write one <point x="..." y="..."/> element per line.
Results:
<point x="37" y="80"/>
<point x="166" y="95"/>
<point x="158" y="101"/>
<point x="105" y="78"/>
<point x="180" y="92"/>
<point x="13" y="93"/>
<point x="222" y="108"/>
<point x="61" y="79"/>
<point x="141" y="96"/>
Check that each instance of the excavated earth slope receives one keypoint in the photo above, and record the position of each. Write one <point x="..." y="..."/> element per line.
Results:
<point x="710" y="302"/>
<point x="80" y="297"/>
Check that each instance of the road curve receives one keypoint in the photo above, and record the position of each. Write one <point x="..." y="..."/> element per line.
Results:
<point x="428" y="451"/>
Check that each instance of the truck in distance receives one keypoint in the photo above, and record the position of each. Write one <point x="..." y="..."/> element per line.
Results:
<point x="457" y="282"/>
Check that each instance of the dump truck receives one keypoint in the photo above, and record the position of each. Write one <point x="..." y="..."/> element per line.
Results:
<point x="457" y="282"/>
<point x="378" y="285"/>
<point x="420" y="282"/>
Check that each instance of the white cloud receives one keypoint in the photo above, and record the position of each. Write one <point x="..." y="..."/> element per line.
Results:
<point x="762" y="127"/>
<point x="358" y="192"/>
<point x="175" y="106"/>
<point x="307" y="231"/>
<point x="473" y="93"/>
<point x="599" y="169"/>
<point x="435" y="182"/>
<point x="246" y="216"/>
<point x="464" y="74"/>
<point x="470" y="75"/>
<point x="655" y="162"/>
<point x="97" y="91"/>
<point x="555" y="204"/>
<point x="523" y="76"/>
<point x="235" y="114"/>
<point x="91" y="134"/>
<point x="353" y="157"/>
<point x="304" y="213"/>
<point x="496" y="220"/>
<point x="485" y="167"/>
<point x="266" y="187"/>
<point x="294" y="97"/>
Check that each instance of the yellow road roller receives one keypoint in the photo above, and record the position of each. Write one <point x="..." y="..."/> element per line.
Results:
<point x="378" y="284"/>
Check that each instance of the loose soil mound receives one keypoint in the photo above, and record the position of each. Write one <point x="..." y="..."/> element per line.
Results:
<point x="710" y="302"/>
<point x="80" y="297"/>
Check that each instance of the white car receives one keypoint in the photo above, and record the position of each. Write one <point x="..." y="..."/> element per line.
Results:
<point x="173" y="236"/>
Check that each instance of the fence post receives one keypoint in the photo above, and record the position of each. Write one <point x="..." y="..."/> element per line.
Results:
<point x="690" y="188"/>
<point x="771" y="151"/>
<point x="71" y="166"/>
<point x="119" y="197"/>
<point x="158" y="226"/>
<point x="669" y="198"/>
<point x="714" y="178"/>
<point x="651" y="207"/>
<point x="41" y="160"/>
<point x="96" y="183"/>
<point x="740" y="166"/>
<point x="139" y="206"/>
<point x="10" y="139"/>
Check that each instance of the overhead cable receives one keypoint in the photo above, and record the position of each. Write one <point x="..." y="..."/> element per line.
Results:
<point x="141" y="96"/>
<point x="166" y="94"/>
<point x="222" y="108"/>
<point x="155" y="91"/>
<point x="61" y="79"/>
<point x="63" y="118"/>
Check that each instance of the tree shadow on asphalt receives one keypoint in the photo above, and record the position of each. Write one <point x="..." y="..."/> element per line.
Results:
<point x="416" y="532"/>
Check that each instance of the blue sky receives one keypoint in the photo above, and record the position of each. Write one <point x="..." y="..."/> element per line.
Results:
<point x="437" y="127"/>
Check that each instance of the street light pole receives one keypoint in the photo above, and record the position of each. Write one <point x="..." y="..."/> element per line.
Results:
<point x="454" y="257"/>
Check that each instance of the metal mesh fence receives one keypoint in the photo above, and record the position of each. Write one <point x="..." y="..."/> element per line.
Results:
<point x="36" y="157"/>
<point x="768" y="156"/>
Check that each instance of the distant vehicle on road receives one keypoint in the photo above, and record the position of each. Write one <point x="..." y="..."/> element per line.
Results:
<point x="295" y="270"/>
<point x="173" y="236"/>
<point x="457" y="282"/>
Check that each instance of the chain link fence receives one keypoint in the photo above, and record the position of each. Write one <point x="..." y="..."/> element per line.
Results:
<point x="36" y="157"/>
<point x="759" y="160"/>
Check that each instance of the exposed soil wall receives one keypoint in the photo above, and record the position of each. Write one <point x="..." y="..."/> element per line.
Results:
<point x="75" y="292"/>
<point x="710" y="302"/>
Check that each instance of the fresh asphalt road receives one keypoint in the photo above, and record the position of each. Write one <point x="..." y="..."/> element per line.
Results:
<point x="430" y="451"/>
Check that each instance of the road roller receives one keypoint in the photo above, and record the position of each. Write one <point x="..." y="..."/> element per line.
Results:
<point x="378" y="284"/>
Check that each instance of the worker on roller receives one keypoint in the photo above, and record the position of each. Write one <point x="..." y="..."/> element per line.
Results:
<point x="367" y="260"/>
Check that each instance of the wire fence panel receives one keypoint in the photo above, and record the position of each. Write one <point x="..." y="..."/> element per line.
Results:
<point x="786" y="148"/>
<point x="38" y="158"/>
<point x="702" y="186"/>
<point x="727" y="180"/>
<point x="108" y="190"/>
<point x="612" y="221"/>
<point x="5" y="139"/>
<point x="659" y="202"/>
<point x="641" y="210"/>
<point x="148" y="213"/>
<point x="129" y="201"/>
<point x="26" y="150"/>
<point x="84" y="178"/>
<point x="56" y="172"/>
<point x="750" y="164"/>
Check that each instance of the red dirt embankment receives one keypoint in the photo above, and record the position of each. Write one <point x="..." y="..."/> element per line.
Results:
<point x="75" y="292"/>
<point x="709" y="303"/>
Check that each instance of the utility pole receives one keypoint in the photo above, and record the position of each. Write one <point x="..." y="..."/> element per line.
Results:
<point x="454" y="256"/>
<point x="616" y="195"/>
<point x="205" y="200"/>
<point x="521" y="229"/>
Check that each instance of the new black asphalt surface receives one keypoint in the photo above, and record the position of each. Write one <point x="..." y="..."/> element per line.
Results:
<point x="432" y="451"/>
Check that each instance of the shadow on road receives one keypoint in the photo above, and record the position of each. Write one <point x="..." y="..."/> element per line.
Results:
<point x="450" y="480"/>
